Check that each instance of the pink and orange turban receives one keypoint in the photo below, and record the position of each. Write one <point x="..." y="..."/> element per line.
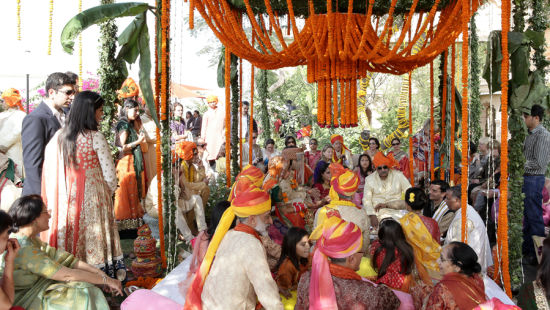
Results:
<point x="335" y="138"/>
<point x="245" y="204"/>
<point x="184" y="149"/>
<point x="250" y="177"/>
<point x="128" y="89"/>
<point x="381" y="160"/>
<point x="12" y="98"/>
<point x="336" y="238"/>
<point x="344" y="184"/>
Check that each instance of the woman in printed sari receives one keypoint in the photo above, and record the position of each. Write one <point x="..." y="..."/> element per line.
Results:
<point x="130" y="169"/>
<point x="536" y="295"/>
<point x="46" y="278"/>
<point x="78" y="183"/>
<point x="401" y="157"/>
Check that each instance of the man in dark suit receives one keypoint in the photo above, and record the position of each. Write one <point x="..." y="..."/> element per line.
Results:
<point x="40" y="126"/>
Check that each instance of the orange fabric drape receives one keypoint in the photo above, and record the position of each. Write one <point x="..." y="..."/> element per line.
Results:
<point x="228" y="116"/>
<point x="443" y="114"/>
<point x="452" y="134"/>
<point x="502" y="233"/>
<point x="464" y="136"/>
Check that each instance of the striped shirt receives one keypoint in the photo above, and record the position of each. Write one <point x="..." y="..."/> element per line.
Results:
<point x="440" y="211"/>
<point x="537" y="151"/>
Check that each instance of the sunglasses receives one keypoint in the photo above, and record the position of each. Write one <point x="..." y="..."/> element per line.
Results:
<point x="382" y="168"/>
<point x="395" y="144"/>
<point x="201" y="145"/>
<point x="67" y="92"/>
<point x="312" y="143"/>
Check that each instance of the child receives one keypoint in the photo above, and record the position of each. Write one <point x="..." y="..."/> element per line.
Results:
<point x="11" y="246"/>
<point x="293" y="261"/>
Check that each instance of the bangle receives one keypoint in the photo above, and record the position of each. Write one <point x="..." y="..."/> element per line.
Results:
<point x="104" y="280"/>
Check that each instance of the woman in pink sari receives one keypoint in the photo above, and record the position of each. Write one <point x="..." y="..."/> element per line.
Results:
<point x="78" y="182"/>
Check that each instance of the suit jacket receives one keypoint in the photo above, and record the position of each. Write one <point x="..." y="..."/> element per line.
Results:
<point x="38" y="128"/>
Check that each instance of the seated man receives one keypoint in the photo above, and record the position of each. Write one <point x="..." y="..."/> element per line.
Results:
<point x="384" y="190"/>
<point x="438" y="209"/>
<point x="332" y="282"/>
<point x="239" y="276"/>
<point x="343" y="186"/>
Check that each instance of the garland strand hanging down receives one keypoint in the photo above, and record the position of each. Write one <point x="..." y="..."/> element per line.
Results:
<point x="18" y="20"/>
<point x="337" y="48"/>
<point x="432" y="124"/>
<point x="250" y="144"/>
<point x="465" y="148"/>
<point x="502" y="233"/>
<point x="227" y="116"/>
<point x="452" y="134"/>
<point x="443" y="112"/>
<point x="80" y="80"/>
<point x="411" y="157"/>
<point x="50" y="28"/>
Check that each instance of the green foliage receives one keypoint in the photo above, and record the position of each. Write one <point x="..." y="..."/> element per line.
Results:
<point x="112" y="73"/>
<point x="134" y="40"/>
<point x="519" y="13"/>
<point x="475" y="100"/>
<point x="235" y="117"/>
<point x="263" y="111"/>
<point x="218" y="192"/>
<point x="301" y="9"/>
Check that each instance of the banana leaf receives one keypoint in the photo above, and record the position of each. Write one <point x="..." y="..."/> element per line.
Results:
<point x="221" y="68"/>
<point x="145" y="71"/>
<point x="128" y="40"/>
<point x="97" y="15"/>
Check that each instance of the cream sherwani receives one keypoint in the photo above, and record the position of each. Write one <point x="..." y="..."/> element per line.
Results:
<point x="477" y="235"/>
<point x="383" y="191"/>
<point x="212" y="130"/>
<point x="240" y="276"/>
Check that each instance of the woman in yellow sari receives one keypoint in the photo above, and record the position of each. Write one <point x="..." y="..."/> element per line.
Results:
<point x="49" y="278"/>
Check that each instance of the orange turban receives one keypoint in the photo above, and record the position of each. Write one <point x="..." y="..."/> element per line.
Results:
<point x="346" y="185"/>
<point x="129" y="89"/>
<point x="12" y="98"/>
<point x="336" y="238"/>
<point x="381" y="160"/>
<point x="245" y="204"/>
<point x="250" y="177"/>
<point x="184" y="149"/>
<point x="335" y="138"/>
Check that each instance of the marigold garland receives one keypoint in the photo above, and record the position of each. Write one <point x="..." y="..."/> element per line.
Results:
<point x="502" y="232"/>
<point x="50" y="29"/>
<point x="227" y="116"/>
<point x="464" y="137"/>
<point x="443" y="112"/>
<point x="144" y="282"/>
<point x="80" y="80"/>
<point x="19" y="20"/>
<point x="338" y="48"/>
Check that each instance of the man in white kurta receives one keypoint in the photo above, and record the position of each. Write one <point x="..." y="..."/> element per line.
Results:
<point x="235" y="271"/>
<point x="213" y="124"/>
<point x="10" y="136"/>
<point x="384" y="190"/>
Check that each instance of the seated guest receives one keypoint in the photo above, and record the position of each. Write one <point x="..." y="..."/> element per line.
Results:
<point x="364" y="168"/>
<point x="462" y="286"/>
<point x="313" y="155"/>
<point x="342" y="155"/>
<point x="439" y="210"/>
<point x="332" y="282"/>
<point x="422" y="233"/>
<point x="322" y="184"/>
<point x="45" y="277"/>
<point x="326" y="155"/>
<point x="237" y="279"/>
<point x="384" y="189"/>
<point x="11" y="247"/>
<point x="401" y="157"/>
<point x="343" y="186"/>
<point x="290" y="142"/>
<point x="293" y="261"/>
<point x="257" y="155"/>
<point x="374" y="147"/>
<point x="269" y="151"/>
<point x="393" y="257"/>
<point x="536" y="295"/>
<point x="477" y="234"/>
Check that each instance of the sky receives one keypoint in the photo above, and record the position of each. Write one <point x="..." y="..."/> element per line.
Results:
<point x="29" y="55"/>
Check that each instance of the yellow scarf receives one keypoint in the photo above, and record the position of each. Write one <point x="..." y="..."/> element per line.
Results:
<point x="188" y="171"/>
<point x="426" y="249"/>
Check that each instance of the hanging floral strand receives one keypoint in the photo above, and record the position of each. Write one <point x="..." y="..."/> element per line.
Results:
<point x="443" y="113"/>
<point x="432" y="133"/>
<point x="50" y="29"/>
<point x="411" y="156"/>
<point x="227" y="116"/>
<point x="19" y="20"/>
<point x="465" y="99"/>
<point x="452" y="133"/>
<point x="250" y="126"/>
<point x="503" y="213"/>
<point x="80" y="80"/>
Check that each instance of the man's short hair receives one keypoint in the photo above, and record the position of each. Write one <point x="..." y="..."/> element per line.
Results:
<point x="72" y="76"/>
<point x="456" y="191"/>
<point x="246" y="103"/>
<point x="197" y="111"/>
<point x="443" y="185"/>
<point x="56" y="80"/>
<point x="537" y="110"/>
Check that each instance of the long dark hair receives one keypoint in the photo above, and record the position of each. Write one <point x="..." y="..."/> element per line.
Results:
<point x="288" y="248"/>
<point x="543" y="271"/>
<point x="81" y="118"/>
<point x="320" y="169"/>
<point x="25" y="210"/>
<point x="127" y="105"/>
<point x="392" y="237"/>
<point x="416" y="198"/>
<point x="370" y="168"/>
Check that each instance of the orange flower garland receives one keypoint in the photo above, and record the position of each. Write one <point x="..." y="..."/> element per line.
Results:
<point x="443" y="112"/>
<point x="502" y="233"/>
<point x="227" y="116"/>
<point x="465" y="103"/>
<point x="452" y="134"/>
<point x="338" y="48"/>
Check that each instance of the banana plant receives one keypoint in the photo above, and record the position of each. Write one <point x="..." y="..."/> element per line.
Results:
<point x="133" y="41"/>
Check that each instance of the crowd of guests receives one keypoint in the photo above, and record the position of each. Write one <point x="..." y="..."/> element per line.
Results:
<point x="311" y="227"/>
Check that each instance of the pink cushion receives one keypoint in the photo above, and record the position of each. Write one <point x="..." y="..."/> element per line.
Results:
<point x="148" y="300"/>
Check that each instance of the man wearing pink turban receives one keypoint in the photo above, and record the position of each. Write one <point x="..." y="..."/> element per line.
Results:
<point x="333" y="282"/>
